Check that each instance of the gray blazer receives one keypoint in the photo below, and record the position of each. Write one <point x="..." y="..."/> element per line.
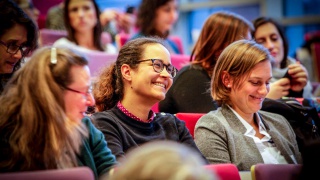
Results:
<point x="220" y="137"/>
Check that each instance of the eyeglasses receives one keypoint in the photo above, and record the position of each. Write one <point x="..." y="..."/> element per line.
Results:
<point x="13" y="49"/>
<point x="85" y="94"/>
<point x="158" y="66"/>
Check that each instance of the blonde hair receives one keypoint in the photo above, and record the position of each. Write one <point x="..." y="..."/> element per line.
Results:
<point x="162" y="160"/>
<point x="34" y="127"/>
<point x="237" y="59"/>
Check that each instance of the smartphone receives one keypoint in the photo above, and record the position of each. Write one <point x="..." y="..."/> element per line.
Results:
<point x="287" y="75"/>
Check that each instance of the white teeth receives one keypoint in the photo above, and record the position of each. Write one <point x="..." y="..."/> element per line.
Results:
<point x="160" y="84"/>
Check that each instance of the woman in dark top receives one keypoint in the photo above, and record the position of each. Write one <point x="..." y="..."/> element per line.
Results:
<point x="156" y="18"/>
<point x="126" y="91"/>
<point x="190" y="90"/>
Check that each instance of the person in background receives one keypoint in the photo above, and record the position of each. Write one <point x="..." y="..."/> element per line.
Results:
<point x="43" y="125"/>
<point x="54" y="18"/>
<point x="125" y="93"/>
<point x="156" y="18"/>
<point x="28" y="7"/>
<point x="83" y="27"/>
<point x="18" y="37"/>
<point x="238" y="131"/>
<point x="190" y="90"/>
<point x="125" y="21"/>
<point x="177" y="161"/>
<point x="290" y="78"/>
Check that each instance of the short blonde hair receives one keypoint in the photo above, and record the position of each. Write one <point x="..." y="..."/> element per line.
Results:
<point x="162" y="160"/>
<point x="238" y="59"/>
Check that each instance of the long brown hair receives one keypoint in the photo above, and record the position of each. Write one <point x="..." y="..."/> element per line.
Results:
<point x="97" y="30"/>
<point x="35" y="131"/>
<point x="220" y="30"/>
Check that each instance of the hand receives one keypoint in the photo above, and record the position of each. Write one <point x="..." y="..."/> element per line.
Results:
<point x="279" y="88"/>
<point x="299" y="76"/>
<point x="125" y="22"/>
<point x="107" y="15"/>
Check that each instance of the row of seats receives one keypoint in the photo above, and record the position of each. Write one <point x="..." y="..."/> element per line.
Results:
<point x="223" y="171"/>
<point x="101" y="59"/>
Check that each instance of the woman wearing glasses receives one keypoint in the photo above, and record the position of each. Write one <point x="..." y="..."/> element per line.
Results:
<point x="125" y="93"/>
<point x="43" y="125"/>
<point x="18" y="36"/>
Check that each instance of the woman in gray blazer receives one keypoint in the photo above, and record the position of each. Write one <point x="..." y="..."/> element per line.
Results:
<point x="238" y="132"/>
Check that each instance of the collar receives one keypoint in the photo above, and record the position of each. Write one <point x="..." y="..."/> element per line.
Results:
<point x="129" y="114"/>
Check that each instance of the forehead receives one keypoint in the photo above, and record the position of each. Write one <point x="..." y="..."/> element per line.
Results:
<point x="16" y="33"/>
<point x="261" y="70"/>
<point x="80" y="2"/>
<point x="156" y="51"/>
<point x="266" y="29"/>
<point x="80" y="75"/>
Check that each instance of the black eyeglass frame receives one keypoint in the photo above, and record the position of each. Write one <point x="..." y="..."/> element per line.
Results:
<point x="173" y="73"/>
<point x="23" y="52"/>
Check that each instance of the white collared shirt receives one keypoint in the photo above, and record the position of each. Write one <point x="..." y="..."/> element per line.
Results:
<point x="268" y="150"/>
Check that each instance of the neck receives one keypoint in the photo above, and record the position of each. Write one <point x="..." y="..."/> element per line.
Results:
<point x="86" y="40"/>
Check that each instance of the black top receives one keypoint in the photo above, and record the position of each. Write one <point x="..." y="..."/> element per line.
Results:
<point x="190" y="92"/>
<point x="123" y="133"/>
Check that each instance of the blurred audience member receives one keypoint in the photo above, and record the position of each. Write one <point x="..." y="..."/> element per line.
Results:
<point x="190" y="90"/>
<point x="124" y="21"/>
<point x="42" y="125"/>
<point x="18" y="36"/>
<point x="156" y="18"/>
<point x="83" y="26"/>
<point x="290" y="78"/>
<point x="239" y="132"/>
<point x="54" y="18"/>
<point x="28" y="7"/>
<point x="162" y="160"/>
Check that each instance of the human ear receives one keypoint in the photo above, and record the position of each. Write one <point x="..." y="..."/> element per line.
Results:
<point x="126" y="72"/>
<point x="226" y="79"/>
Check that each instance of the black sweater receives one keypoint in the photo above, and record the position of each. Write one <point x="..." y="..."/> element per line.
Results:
<point x="123" y="133"/>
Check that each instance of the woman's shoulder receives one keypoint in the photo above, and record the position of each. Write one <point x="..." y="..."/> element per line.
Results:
<point x="212" y="118"/>
<point x="62" y="42"/>
<point x="111" y="49"/>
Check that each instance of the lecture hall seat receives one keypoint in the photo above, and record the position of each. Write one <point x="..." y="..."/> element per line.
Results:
<point x="78" y="173"/>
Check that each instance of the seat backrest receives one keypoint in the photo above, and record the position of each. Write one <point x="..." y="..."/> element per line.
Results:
<point x="78" y="173"/>
<point x="275" y="171"/>
<point x="49" y="36"/>
<point x="224" y="171"/>
<point x="99" y="60"/>
<point x="122" y="38"/>
<point x="190" y="119"/>
<point x="179" y="60"/>
<point x="315" y="51"/>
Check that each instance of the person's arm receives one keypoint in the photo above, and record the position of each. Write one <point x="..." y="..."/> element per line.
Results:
<point x="103" y="158"/>
<point x="109" y="127"/>
<point x="210" y="137"/>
